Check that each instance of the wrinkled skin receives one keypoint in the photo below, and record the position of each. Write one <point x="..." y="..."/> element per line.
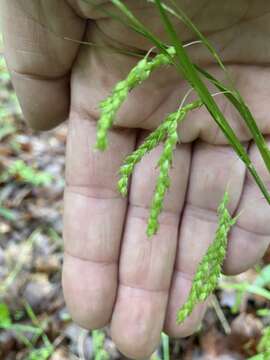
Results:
<point x="112" y="274"/>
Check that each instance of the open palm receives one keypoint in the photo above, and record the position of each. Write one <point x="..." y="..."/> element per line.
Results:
<point x="112" y="272"/>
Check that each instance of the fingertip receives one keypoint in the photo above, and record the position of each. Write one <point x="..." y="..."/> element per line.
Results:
<point x="137" y="321"/>
<point x="138" y="350"/>
<point x="188" y="327"/>
<point x="179" y="293"/>
<point x="89" y="291"/>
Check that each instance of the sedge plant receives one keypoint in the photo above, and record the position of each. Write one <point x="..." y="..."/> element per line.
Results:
<point x="168" y="134"/>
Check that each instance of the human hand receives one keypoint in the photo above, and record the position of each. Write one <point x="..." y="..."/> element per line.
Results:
<point x="112" y="272"/>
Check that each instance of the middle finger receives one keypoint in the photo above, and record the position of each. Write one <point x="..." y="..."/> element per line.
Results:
<point x="146" y="265"/>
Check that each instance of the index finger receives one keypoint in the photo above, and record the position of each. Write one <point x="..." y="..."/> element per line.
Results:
<point x="94" y="218"/>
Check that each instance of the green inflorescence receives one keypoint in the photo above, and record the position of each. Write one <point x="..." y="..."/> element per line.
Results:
<point x="164" y="164"/>
<point x="111" y="104"/>
<point x="166" y="132"/>
<point x="151" y="142"/>
<point x="163" y="180"/>
<point x="209" y="269"/>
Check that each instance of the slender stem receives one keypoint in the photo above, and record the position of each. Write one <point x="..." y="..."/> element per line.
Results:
<point x="165" y="346"/>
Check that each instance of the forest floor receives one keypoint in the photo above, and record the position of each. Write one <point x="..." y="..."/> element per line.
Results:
<point x="34" y="321"/>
